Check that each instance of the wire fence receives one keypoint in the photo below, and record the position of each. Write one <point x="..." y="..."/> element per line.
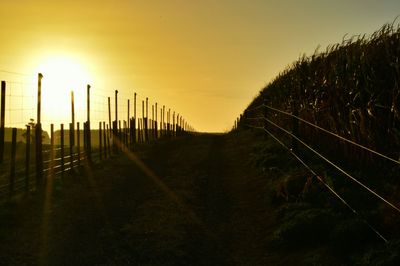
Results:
<point x="283" y="127"/>
<point x="42" y="137"/>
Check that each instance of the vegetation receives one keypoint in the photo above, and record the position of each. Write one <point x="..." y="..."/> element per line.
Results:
<point x="352" y="90"/>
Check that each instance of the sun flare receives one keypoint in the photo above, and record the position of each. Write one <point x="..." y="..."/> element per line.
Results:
<point x="61" y="75"/>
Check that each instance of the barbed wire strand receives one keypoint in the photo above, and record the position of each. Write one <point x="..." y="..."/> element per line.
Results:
<point x="334" y="134"/>
<point x="335" y="166"/>
<point x="324" y="183"/>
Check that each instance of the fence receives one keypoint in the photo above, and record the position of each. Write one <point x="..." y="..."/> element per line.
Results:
<point x="275" y="122"/>
<point x="29" y="156"/>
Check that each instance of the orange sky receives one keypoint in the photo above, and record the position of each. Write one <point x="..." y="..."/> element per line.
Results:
<point x="204" y="59"/>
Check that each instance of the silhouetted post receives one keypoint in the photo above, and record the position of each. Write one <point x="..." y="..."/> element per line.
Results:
<point x="71" y="147"/>
<point x="78" y="143"/>
<point x="152" y="122"/>
<point x="84" y="137"/>
<point x="62" y="148"/>
<point x="72" y="130"/>
<point x="109" y="113"/>
<point x="146" y="126"/>
<point x="169" y="123"/>
<point x="89" y="137"/>
<point x="27" y="157"/>
<point x="127" y="131"/>
<point x="115" y="126"/>
<point x="51" y="171"/>
<point x="142" y="121"/>
<point x="114" y="137"/>
<point x="181" y="125"/>
<point x="120" y="135"/>
<point x="134" y="122"/>
<point x="2" y="118"/>
<point x="177" y="125"/>
<point x="140" y="130"/>
<point x="38" y="136"/>
<point x="108" y="142"/>
<point x="13" y="156"/>
<point x="163" y="119"/>
<point x="116" y="105"/>
<point x="104" y="140"/>
<point x="156" y="122"/>
<point x="173" y="125"/>
<point x="100" y="142"/>
<point x="161" y="126"/>
<point x="124" y="134"/>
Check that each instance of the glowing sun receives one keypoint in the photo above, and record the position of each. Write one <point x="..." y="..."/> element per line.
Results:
<point x="61" y="75"/>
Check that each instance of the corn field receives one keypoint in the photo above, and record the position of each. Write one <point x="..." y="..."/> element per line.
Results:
<point x="351" y="89"/>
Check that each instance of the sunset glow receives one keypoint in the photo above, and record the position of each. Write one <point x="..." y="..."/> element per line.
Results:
<point x="62" y="74"/>
<point x="186" y="55"/>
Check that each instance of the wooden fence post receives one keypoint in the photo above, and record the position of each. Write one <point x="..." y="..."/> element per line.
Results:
<point x="108" y="141"/>
<point x="13" y="157"/>
<point x="173" y="125"/>
<point x="152" y="122"/>
<point x="27" y="157"/>
<point x="100" y="143"/>
<point x="114" y="136"/>
<point x="78" y="143"/>
<point x="84" y="138"/>
<point x="52" y="153"/>
<point x="177" y="125"/>
<point x="71" y="147"/>
<point x="115" y="124"/>
<point x="109" y="114"/>
<point x="134" y="119"/>
<point x="62" y="148"/>
<point x="140" y="133"/>
<point x="89" y="137"/>
<point x="2" y="119"/>
<point x="72" y="129"/>
<point x="120" y="141"/>
<point x="156" y="122"/>
<point x="38" y="137"/>
<point x="104" y="140"/>
<point x="127" y="130"/>
<point x="146" y="126"/>
<point x="163" y="120"/>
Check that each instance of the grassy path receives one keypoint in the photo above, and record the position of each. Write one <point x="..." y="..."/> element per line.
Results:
<point x="200" y="203"/>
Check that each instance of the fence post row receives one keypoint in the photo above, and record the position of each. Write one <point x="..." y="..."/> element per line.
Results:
<point x="125" y="134"/>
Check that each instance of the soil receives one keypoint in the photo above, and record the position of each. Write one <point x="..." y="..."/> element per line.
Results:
<point x="190" y="201"/>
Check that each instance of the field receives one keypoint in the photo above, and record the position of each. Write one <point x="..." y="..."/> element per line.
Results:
<point x="198" y="200"/>
<point x="307" y="176"/>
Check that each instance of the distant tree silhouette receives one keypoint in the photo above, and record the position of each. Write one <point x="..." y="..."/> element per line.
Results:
<point x="32" y="124"/>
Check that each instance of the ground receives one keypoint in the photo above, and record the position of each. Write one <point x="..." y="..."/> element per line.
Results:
<point x="197" y="200"/>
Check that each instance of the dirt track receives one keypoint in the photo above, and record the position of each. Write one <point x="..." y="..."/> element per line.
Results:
<point x="204" y="205"/>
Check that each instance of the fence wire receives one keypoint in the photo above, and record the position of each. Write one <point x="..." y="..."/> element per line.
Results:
<point x="320" y="179"/>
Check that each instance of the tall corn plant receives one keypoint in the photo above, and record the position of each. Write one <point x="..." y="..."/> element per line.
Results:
<point x="351" y="89"/>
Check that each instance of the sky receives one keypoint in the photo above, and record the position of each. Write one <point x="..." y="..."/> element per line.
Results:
<point x="203" y="59"/>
